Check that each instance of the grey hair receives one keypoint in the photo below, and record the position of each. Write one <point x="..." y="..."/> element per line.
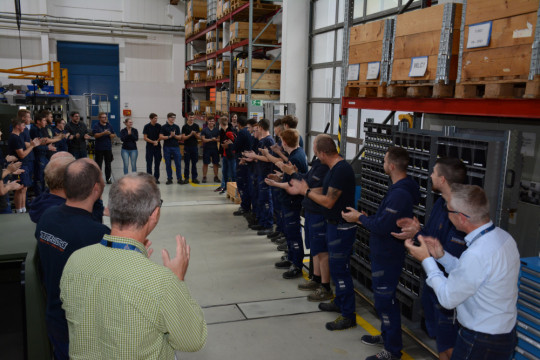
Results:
<point x="472" y="201"/>
<point x="132" y="199"/>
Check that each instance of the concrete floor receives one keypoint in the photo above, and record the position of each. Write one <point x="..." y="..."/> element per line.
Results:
<point x="251" y="311"/>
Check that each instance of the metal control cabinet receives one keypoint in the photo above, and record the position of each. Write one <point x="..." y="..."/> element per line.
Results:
<point x="528" y="322"/>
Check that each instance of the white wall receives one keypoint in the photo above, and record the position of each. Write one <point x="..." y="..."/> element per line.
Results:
<point x="294" y="58"/>
<point x="151" y="69"/>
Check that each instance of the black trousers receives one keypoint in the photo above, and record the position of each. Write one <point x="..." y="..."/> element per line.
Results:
<point x="108" y="157"/>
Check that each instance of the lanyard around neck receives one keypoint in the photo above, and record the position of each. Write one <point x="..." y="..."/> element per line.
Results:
<point x="117" y="245"/>
<point x="482" y="233"/>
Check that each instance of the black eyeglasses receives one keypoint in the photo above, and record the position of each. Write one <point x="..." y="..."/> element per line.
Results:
<point x="454" y="212"/>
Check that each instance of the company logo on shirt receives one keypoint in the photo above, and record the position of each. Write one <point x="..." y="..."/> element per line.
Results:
<point x="392" y="211"/>
<point x="52" y="241"/>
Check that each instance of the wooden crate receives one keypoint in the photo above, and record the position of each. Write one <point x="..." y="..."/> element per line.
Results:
<point x="367" y="46"/>
<point x="419" y="33"/>
<point x="268" y="81"/>
<point x="232" y="192"/>
<point x="500" y="69"/>
<point x="211" y="47"/>
<point x="199" y="76"/>
<point x="223" y="69"/>
<point x="196" y="9"/>
<point x="210" y="74"/>
<point x="240" y="31"/>
<point x="211" y="63"/>
<point x="258" y="64"/>
<point x="219" y="9"/>
<point x="270" y="97"/>
<point x="191" y="75"/>
<point x="200" y="105"/>
<point x="199" y="26"/>
<point x="189" y="28"/>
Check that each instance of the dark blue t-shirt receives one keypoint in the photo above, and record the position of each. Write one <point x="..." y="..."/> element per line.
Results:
<point x="129" y="141"/>
<point x="314" y="177"/>
<point x="340" y="177"/>
<point x="25" y="135"/>
<point x="61" y="231"/>
<point x="264" y="168"/>
<point x="16" y="142"/>
<point x="152" y="132"/>
<point x="40" y="150"/>
<point x="243" y="142"/>
<point x="104" y="142"/>
<point x="210" y="134"/>
<point x="297" y="158"/>
<point x="186" y="130"/>
<point x="166" y="130"/>
<point x="61" y="145"/>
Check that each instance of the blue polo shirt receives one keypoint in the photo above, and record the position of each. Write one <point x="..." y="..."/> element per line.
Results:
<point x="104" y="142"/>
<point x="297" y="158"/>
<point x="340" y="177"/>
<point x="166" y="130"/>
<point x="40" y="150"/>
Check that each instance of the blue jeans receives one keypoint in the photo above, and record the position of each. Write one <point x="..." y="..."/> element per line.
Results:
<point x="264" y="203"/>
<point x="227" y="171"/>
<point x="243" y="183"/>
<point x="385" y="278"/>
<point x="440" y="322"/>
<point x="153" y="154"/>
<point x="129" y="155"/>
<point x="191" y="154"/>
<point x="293" y="234"/>
<point x="340" y="239"/>
<point x="479" y="346"/>
<point x="173" y="151"/>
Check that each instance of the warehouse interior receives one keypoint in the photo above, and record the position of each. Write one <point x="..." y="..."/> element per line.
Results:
<point x="370" y="73"/>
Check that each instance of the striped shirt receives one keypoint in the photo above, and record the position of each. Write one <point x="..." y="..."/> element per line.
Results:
<point x="121" y="305"/>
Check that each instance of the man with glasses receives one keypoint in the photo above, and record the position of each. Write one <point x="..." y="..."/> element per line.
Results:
<point x="133" y="307"/>
<point x="62" y="230"/>
<point x="387" y="253"/>
<point x="481" y="284"/>
<point x="440" y="322"/>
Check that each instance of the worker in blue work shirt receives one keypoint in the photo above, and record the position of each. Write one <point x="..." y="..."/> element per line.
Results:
<point x="276" y="202"/>
<point x="337" y="195"/>
<point x="104" y="133"/>
<point x="440" y="322"/>
<point x="170" y="134"/>
<point x="151" y="133"/>
<point x="291" y="205"/>
<point x="264" y="167"/>
<point x="242" y="143"/>
<point x="387" y="253"/>
<point x="252" y="216"/>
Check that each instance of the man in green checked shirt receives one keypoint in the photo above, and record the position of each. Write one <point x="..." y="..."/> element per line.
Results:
<point x="118" y="303"/>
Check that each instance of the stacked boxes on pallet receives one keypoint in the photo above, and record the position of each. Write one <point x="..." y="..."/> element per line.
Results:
<point x="528" y="321"/>
<point x="221" y="101"/>
<point x="211" y="42"/>
<point x="223" y="68"/>
<point x="500" y="51"/>
<point x="196" y="10"/>
<point x="210" y="69"/>
<point x="261" y="32"/>
<point x="265" y="80"/>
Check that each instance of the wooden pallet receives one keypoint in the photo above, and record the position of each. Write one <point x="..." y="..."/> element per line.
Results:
<point x="365" y="89"/>
<point x="420" y="90"/>
<point x="499" y="88"/>
<point x="237" y="104"/>
<point x="243" y="70"/>
<point x="255" y="91"/>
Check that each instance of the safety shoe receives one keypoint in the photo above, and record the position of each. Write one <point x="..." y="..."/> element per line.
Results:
<point x="330" y="307"/>
<point x="292" y="273"/>
<point x="321" y="294"/>
<point x="372" y="340"/>
<point x="274" y="234"/>
<point x="169" y="182"/>
<point x="239" y="212"/>
<point x="383" y="355"/>
<point x="181" y="182"/>
<point x="204" y="180"/>
<point x="309" y="286"/>
<point x="282" y="247"/>
<point x="256" y="227"/>
<point x="195" y="181"/>
<point x="341" y="323"/>
<point x="157" y="182"/>
<point x="265" y="231"/>
<point x="216" y="179"/>
<point x="280" y="241"/>
<point x="283" y="264"/>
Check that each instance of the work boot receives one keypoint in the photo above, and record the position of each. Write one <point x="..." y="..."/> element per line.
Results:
<point x="274" y="234"/>
<point x="309" y="286"/>
<point x="330" y="307"/>
<point x="341" y="323"/>
<point x="292" y="273"/>
<point x="169" y="182"/>
<point x="383" y="355"/>
<point x="264" y="231"/>
<point x="195" y="181"/>
<point x="216" y="179"/>
<point x="239" y="212"/>
<point x="321" y="294"/>
<point x="284" y="264"/>
<point x="372" y="340"/>
<point x="282" y="247"/>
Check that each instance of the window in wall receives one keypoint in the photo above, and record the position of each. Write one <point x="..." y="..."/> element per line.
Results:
<point x="339" y="45"/>
<point x="321" y="114"/>
<point x="358" y="9"/>
<point x="321" y="83"/>
<point x="337" y="82"/>
<point x="341" y="11"/>
<point x="375" y="6"/>
<point x="324" y="14"/>
<point x="323" y="47"/>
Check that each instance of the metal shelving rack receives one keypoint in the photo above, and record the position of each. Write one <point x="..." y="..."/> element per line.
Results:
<point x="243" y="12"/>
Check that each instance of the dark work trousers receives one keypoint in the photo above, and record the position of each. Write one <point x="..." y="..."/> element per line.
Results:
<point x="293" y="234"/>
<point x="278" y="211"/>
<point x="264" y="203"/>
<point x="153" y="154"/>
<point x="385" y="278"/>
<point x="254" y="189"/>
<point x="243" y="184"/>
<point x="474" y="345"/>
<point x="191" y="155"/>
<point x="340" y="239"/>
<point x="39" y="173"/>
<point x="108" y="157"/>
<point x="315" y="233"/>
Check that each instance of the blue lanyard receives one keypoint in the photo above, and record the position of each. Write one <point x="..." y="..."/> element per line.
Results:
<point x="482" y="233"/>
<point x="116" y="245"/>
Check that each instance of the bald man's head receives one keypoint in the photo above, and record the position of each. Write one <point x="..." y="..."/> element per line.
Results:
<point x="54" y="172"/>
<point x="62" y="154"/>
<point x="80" y="177"/>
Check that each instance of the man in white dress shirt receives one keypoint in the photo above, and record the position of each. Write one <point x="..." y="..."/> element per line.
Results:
<point x="482" y="283"/>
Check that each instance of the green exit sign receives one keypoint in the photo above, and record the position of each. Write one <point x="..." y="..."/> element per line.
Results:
<point x="256" y="102"/>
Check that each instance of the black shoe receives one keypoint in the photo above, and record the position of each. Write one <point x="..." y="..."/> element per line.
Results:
<point x="372" y="340"/>
<point x="331" y="307"/>
<point x="281" y="241"/>
<point x="216" y="179"/>
<point x="283" y="264"/>
<point x="283" y="247"/>
<point x="284" y="257"/>
<point x="109" y="181"/>
<point x="257" y="227"/>
<point x="239" y="212"/>
<point x="274" y="234"/>
<point x="383" y="355"/>
<point x="195" y="181"/>
<point x="292" y="273"/>
<point x="204" y="180"/>
<point x="180" y="181"/>
<point x="218" y="189"/>
<point x="222" y="192"/>
<point x="157" y="182"/>
<point x="264" y="231"/>
<point x="341" y="323"/>
<point x="169" y="182"/>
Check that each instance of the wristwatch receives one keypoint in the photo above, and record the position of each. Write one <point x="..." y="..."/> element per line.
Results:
<point x="307" y="192"/>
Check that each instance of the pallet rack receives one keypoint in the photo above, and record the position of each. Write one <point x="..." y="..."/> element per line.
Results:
<point x="241" y="10"/>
